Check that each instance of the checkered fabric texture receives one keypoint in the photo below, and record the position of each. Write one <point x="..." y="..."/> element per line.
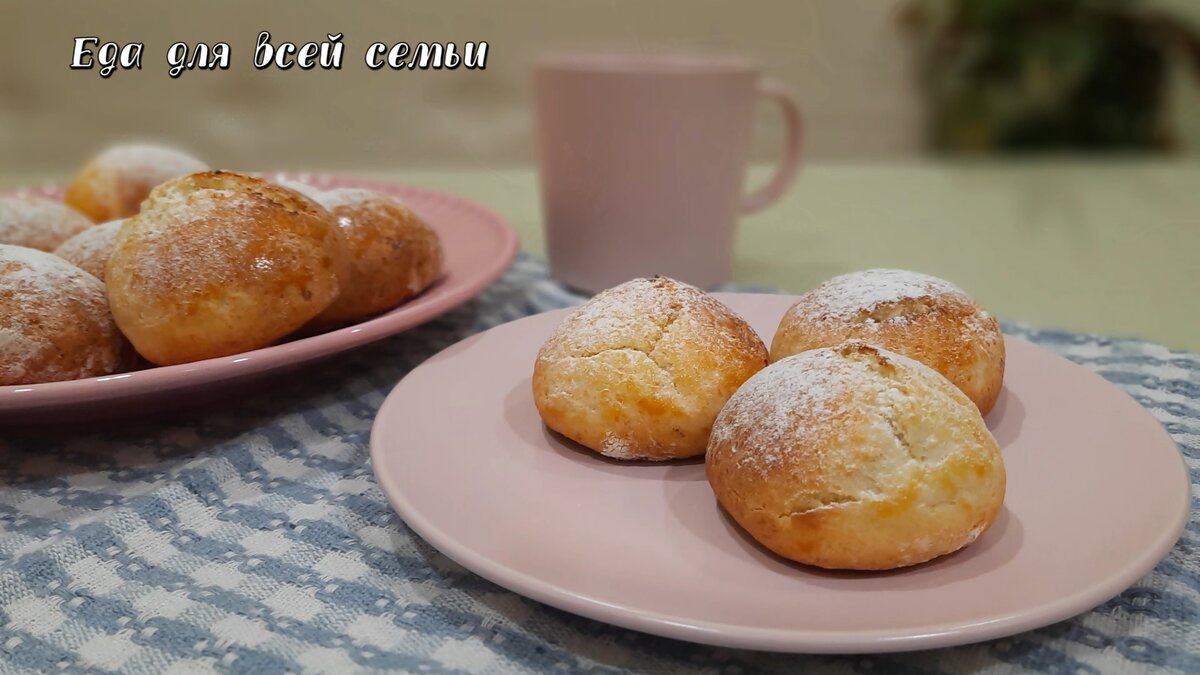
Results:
<point x="252" y="538"/>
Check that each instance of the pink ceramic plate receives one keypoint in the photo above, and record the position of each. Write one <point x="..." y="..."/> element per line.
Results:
<point x="1097" y="494"/>
<point x="479" y="246"/>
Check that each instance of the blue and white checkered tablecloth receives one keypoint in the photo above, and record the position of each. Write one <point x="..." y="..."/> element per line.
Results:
<point x="252" y="538"/>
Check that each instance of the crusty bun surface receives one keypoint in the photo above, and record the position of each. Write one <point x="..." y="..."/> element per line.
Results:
<point x="37" y="222"/>
<point x="113" y="183"/>
<point x="919" y="316"/>
<point x="89" y="250"/>
<point x="219" y="263"/>
<point x="641" y="370"/>
<point x="853" y="457"/>
<point x="394" y="255"/>
<point x="54" y="321"/>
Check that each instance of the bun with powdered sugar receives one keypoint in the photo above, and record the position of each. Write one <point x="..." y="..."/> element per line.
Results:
<point x="38" y="222"/>
<point x="641" y="370"/>
<point x="854" y="457"/>
<point x="218" y="263"/>
<point x="919" y="316"/>
<point x="394" y="255"/>
<point x="89" y="250"/>
<point x="114" y="183"/>
<point x="54" y="321"/>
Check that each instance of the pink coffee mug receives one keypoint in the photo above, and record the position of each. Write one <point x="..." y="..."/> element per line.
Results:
<point x="642" y="163"/>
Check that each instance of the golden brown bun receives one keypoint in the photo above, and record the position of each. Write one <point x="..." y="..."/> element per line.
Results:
<point x="37" y="222"/>
<point x="853" y="457"/>
<point x="113" y="184"/>
<point x="919" y="316"/>
<point x="54" y="321"/>
<point x="641" y="370"/>
<point x="394" y="255"/>
<point x="219" y="263"/>
<point x="89" y="250"/>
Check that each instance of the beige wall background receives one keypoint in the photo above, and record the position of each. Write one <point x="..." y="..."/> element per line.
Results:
<point x="848" y="62"/>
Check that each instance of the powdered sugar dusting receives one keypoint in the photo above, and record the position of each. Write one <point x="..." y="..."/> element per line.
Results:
<point x="605" y="321"/>
<point x="796" y="401"/>
<point x="340" y="200"/>
<point x="180" y="248"/>
<point x="343" y="197"/>
<point x="348" y="204"/>
<point x="850" y="295"/>
<point x="646" y="366"/>
<point x="90" y="249"/>
<point x="636" y="314"/>
<point x="37" y="222"/>
<point x="640" y="315"/>
<point x="617" y="447"/>
<point x="147" y="164"/>
<point x="332" y="199"/>
<point x="117" y="181"/>
<point x="43" y="296"/>
<point x="39" y="272"/>
<point x="788" y="400"/>
<point x="311" y="191"/>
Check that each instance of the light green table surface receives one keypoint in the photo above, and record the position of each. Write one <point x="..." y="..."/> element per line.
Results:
<point x="1111" y="248"/>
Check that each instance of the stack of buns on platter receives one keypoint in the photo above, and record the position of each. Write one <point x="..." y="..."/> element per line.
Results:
<point x="151" y="258"/>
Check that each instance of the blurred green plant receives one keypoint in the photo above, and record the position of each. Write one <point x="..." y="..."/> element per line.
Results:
<point x="1034" y="75"/>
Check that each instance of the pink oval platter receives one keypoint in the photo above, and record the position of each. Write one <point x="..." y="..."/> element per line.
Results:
<point x="479" y="245"/>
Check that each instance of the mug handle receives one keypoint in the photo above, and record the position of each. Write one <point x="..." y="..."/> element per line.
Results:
<point x="789" y="164"/>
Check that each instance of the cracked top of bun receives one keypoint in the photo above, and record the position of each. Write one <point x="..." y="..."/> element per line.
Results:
<point x="638" y="314"/>
<point x="923" y="317"/>
<point x="876" y="296"/>
<point x="641" y="369"/>
<point x="889" y="300"/>
<point x="855" y="457"/>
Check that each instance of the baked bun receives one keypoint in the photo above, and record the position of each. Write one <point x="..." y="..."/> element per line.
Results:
<point x="641" y="370"/>
<point x="114" y="183"/>
<point x="853" y="457"/>
<point x="54" y="321"/>
<point x="37" y="222"/>
<point x="89" y="250"/>
<point x="919" y="316"/>
<point x="394" y="255"/>
<point x="219" y="263"/>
